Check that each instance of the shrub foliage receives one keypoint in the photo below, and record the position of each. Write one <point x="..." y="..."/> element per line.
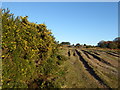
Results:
<point x="29" y="53"/>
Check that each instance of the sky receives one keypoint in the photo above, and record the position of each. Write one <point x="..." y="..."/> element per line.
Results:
<point x="60" y="0"/>
<point x="74" y="22"/>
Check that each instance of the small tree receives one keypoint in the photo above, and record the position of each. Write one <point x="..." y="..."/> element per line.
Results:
<point x="84" y="44"/>
<point x="77" y="45"/>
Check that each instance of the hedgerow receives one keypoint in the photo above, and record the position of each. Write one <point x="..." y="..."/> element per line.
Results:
<point x="29" y="53"/>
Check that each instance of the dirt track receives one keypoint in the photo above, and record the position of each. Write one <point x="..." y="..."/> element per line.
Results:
<point x="91" y="67"/>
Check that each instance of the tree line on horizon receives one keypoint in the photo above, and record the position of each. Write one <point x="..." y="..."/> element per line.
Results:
<point x="115" y="44"/>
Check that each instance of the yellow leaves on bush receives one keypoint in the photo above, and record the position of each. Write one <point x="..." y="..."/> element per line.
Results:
<point x="42" y="24"/>
<point x="3" y="56"/>
<point x="17" y="30"/>
<point x="22" y="70"/>
<point x="14" y="47"/>
<point x="25" y="42"/>
<point x="13" y="42"/>
<point x="32" y="49"/>
<point x="49" y="33"/>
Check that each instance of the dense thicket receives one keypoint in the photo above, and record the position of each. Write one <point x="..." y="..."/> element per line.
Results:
<point x="29" y="53"/>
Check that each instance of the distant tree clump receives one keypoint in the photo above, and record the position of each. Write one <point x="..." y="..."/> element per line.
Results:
<point x="65" y="43"/>
<point x="117" y="39"/>
<point x="85" y="45"/>
<point x="115" y="44"/>
<point x="78" y="45"/>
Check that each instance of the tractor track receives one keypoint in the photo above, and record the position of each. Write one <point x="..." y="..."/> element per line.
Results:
<point x="112" y="54"/>
<point x="114" y="71"/>
<point x="90" y="69"/>
<point x="98" y="58"/>
<point x="86" y="54"/>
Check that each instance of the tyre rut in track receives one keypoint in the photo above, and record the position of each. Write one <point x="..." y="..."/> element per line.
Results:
<point x="90" y="69"/>
<point x="69" y="53"/>
<point x="112" y="54"/>
<point x="100" y="64"/>
<point x="96" y="53"/>
<point x="86" y="54"/>
<point x="98" y="58"/>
